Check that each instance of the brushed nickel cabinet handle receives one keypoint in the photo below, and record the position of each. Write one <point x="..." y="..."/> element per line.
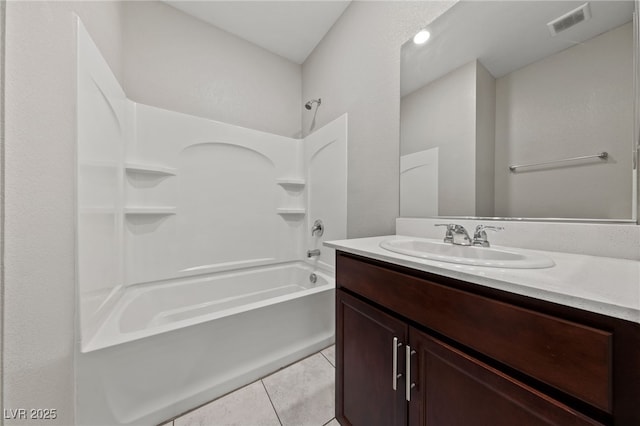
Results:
<point x="396" y="376"/>
<point x="409" y="385"/>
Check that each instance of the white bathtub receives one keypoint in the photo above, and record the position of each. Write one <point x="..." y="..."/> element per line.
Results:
<point x="168" y="347"/>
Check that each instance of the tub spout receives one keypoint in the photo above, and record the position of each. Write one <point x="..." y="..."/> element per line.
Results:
<point x="312" y="253"/>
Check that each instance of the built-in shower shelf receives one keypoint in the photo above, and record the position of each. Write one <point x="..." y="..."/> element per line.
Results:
<point x="149" y="210"/>
<point x="291" y="183"/>
<point x="292" y="212"/>
<point x="150" y="169"/>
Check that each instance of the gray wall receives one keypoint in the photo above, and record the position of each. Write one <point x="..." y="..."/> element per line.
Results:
<point x="457" y="114"/>
<point x="485" y="141"/>
<point x="533" y="125"/>
<point x="39" y="192"/>
<point x="443" y="114"/>
<point x="356" y="69"/>
<point x="177" y="62"/>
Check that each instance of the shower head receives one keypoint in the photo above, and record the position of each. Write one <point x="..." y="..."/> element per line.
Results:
<point x="310" y="103"/>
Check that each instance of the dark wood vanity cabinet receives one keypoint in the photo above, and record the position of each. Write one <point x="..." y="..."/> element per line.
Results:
<point x="369" y="336"/>
<point x="417" y="349"/>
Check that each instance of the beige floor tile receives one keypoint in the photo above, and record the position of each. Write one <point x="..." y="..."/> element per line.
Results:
<point x="303" y="394"/>
<point x="248" y="406"/>
<point x="333" y="422"/>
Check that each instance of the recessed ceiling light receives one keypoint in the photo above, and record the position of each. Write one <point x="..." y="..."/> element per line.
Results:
<point x="421" y="37"/>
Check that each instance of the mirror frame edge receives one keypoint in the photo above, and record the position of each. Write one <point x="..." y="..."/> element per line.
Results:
<point x="635" y="150"/>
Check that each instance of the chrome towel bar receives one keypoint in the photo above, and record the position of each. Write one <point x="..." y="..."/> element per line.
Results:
<point x="602" y="156"/>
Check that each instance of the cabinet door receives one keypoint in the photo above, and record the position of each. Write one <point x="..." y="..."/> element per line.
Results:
<point x="454" y="389"/>
<point x="368" y="343"/>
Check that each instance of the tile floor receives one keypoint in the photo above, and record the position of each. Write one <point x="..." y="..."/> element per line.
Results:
<point x="302" y="394"/>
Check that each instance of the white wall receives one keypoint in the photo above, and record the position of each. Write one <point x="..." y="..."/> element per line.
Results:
<point x="533" y="125"/>
<point x="39" y="261"/>
<point x="356" y="69"/>
<point x="177" y="62"/>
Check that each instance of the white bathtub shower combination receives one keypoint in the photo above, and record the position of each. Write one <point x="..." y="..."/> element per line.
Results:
<point x="193" y="278"/>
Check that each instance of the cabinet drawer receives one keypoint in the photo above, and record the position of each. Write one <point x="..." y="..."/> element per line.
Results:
<point x="571" y="357"/>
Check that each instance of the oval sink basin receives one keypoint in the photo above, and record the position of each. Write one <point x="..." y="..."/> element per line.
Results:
<point x="466" y="255"/>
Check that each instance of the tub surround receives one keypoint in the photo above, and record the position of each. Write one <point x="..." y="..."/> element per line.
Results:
<point x="163" y="195"/>
<point x="602" y="285"/>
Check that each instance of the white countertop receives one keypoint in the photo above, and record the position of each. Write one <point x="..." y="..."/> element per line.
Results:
<point x="598" y="284"/>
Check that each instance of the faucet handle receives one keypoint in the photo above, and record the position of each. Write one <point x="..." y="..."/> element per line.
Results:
<point x="317" y="228"/>
<point x="480" y="236"/>
<point x="489" y="227"/>
<point x="448" y="236"/>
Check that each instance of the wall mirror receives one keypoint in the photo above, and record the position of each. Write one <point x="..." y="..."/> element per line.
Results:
<point x="521" y="110"/>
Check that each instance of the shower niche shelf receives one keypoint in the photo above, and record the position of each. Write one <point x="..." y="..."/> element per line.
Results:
<point x="294" y="191"/>
<point x="155" y="169"/>
<point x="292" y="183"/>
<point x="157" y="211"/>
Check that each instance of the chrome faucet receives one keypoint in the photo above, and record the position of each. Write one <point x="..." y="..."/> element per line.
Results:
<point x="480" y="236"/>
<point x="312" y="253"/>
<point x="456" y="234"/>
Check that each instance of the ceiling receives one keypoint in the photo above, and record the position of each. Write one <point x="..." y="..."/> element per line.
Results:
<point x="291" y="29"/>
<point x="502" y="35"/>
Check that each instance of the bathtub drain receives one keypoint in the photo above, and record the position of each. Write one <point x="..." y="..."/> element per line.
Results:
<point x="313" y="278"/>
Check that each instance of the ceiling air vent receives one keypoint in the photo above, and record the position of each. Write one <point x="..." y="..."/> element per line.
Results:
<point x="570" y="19"/>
